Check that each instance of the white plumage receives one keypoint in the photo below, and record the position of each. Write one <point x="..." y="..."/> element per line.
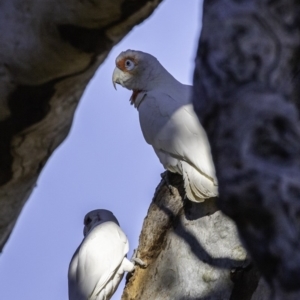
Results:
<point x="168" y="121"/>
<point x="99" y="263"/>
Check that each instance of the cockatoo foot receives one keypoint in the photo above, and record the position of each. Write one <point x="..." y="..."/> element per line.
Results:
<point x="165" y="177"/>
<point x="136" y="260"/>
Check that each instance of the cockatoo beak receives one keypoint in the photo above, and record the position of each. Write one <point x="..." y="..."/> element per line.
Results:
<point x="116" y="77"/>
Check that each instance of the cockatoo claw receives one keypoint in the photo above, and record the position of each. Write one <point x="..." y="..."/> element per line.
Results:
<point x="165" y="177"/>
<point x="136" y="260"/>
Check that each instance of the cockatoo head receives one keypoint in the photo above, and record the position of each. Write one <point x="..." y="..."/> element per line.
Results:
<point x="96" y="217"/>
<point x="136" y="71"/>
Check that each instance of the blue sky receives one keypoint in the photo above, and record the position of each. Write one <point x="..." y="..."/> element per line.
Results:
<point x="104" y="163"/>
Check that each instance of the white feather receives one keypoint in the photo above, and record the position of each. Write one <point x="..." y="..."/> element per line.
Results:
<point x="99" y="263"/>
<point x="169" y="123"/>
<point x="179" y="140"/>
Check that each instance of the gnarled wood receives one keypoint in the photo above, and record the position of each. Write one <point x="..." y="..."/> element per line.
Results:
<point x="49" y="52"/>
<point x="192" y="252"/>
<point x="247" y="98"/>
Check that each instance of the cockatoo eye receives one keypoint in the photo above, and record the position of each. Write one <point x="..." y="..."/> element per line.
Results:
<point x="129" y="64"/>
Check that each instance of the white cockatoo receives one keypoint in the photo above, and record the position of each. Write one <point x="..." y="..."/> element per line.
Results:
<point x="168" y="121"/>
<point x="99" y="263"/>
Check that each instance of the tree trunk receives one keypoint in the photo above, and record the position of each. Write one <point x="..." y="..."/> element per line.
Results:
<point x="192" y="252"/>
<point x="246" y="94"/>
<point x="49" y="51"/>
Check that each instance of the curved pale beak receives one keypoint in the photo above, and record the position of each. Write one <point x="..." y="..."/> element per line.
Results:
<point x="116" y="77"/>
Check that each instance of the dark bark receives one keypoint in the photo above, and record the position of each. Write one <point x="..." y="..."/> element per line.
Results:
<point x="246" y="94"/>
<point x="49" y="52"/>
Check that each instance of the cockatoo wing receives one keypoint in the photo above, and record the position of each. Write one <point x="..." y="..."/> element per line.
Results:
<point x="170" y="125"/>
<point x="74" y="293"/>
<point x="107" y="242"/>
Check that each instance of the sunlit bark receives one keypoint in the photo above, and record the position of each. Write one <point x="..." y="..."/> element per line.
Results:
<point x="192" y="252"/>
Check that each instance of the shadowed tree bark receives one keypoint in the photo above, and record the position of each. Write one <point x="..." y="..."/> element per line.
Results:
<point x="49" y="51"/>
<point x="192" y="252"/>
<point x="246" y="94"/>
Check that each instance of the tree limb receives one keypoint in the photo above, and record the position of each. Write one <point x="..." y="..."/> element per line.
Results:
<point x="191" y="250"/>
<point x="247" y="99"/>
<point x="49" y="52"/>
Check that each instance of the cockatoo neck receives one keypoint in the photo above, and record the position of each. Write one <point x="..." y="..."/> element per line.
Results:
<point x="159" y="77"/>
<point x="156" y="79"/>
<point x="88" y="229"/>
<point x="134" y="96"/>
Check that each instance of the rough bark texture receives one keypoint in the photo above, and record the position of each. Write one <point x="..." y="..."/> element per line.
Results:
<point x="49" y="51"/>
<point x="192" y="252"/>
<point x="246" y="94"/>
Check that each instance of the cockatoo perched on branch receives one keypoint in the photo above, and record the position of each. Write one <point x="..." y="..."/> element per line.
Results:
<point x="168" y="121"/>
<point x="99" y="263"/>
